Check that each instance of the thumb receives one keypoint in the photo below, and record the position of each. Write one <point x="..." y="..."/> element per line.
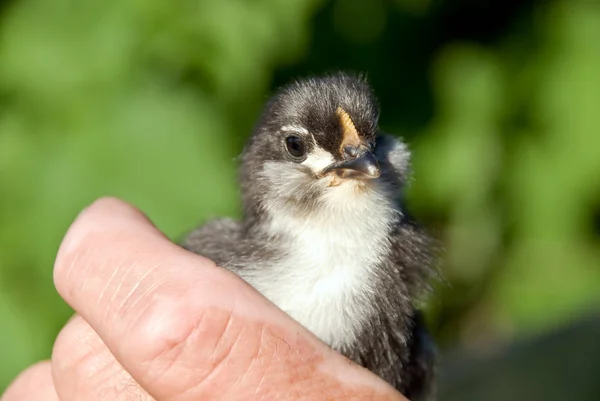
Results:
<point x="186" y="329"/>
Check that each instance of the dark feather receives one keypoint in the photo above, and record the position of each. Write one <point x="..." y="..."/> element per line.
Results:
<point x="394" y="344"/>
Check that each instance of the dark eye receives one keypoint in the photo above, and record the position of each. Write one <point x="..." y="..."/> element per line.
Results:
<point x="295" y="145"/>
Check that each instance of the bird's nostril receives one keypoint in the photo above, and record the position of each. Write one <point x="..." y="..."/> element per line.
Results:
<point x="350" y="150"/>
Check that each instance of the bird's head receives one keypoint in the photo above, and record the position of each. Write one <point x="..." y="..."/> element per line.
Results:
<point x="316" y="145"/>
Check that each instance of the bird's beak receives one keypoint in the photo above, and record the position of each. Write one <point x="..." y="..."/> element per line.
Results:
<point x="362" y="167"/>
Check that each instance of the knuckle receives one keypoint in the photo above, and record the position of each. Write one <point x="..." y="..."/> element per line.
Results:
<point x="84" y="368"/>
<point x="185" y="348"/>
<point x="75" y="351"/>
<point x="164" y="326"/>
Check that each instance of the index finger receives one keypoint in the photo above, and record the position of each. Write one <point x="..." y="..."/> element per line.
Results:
<point x="186" y="329"/>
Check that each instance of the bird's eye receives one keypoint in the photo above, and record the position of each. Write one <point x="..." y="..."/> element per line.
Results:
<point x="295" y="146"/>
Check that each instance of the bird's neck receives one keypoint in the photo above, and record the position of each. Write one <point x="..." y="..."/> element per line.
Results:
<point x="327" y="263"/>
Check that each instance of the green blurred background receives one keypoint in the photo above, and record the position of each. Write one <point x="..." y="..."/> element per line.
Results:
<point x="152" y="100"/>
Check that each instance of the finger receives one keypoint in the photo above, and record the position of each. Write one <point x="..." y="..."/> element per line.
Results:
<point x="84" y="369"/>
<point x="34" y="384"/>
<point x="185" y="329"/>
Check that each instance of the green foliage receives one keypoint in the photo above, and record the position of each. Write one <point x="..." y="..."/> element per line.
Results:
<point x="519" y="196"/>
<point x="132" y="99"/>
<point x="151" y="101"/>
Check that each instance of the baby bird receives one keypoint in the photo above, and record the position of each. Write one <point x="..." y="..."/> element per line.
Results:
<point x="324" y="234"/>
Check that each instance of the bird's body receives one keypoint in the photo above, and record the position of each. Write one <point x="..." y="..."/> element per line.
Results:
<point x="324" y="236"/>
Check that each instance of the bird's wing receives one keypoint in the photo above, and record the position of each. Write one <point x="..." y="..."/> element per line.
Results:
<point x="419" y="366"/>
<point x="413" y="254"/>
<point x="216" y="240"/>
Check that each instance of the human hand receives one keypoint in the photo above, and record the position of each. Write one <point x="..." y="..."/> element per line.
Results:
<point x="156" y="322"/>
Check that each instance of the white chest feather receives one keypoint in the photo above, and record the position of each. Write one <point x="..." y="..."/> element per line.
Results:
<point x="325" y="281"/>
